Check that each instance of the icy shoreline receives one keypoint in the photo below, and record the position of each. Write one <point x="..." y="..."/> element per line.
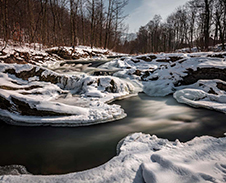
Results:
<point x="35" y="96"/>
<point x="146" y="158"/>
<point x="184" y="75"/>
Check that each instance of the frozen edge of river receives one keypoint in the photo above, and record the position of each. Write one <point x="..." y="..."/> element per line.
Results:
<point x="146" y="158"/>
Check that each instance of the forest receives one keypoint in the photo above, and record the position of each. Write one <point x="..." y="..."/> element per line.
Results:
<point x="100" y="23"/>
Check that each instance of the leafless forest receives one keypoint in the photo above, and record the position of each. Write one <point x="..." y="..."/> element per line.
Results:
<point x="199" y="23"/>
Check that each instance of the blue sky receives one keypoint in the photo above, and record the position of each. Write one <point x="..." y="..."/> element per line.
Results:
<point x="140" y="12"/>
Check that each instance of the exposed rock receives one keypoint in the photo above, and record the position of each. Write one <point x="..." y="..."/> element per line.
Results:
<point x="18" y="106"/>
<point x="116" y="56"/>
<point x="147" y="58"/>
<point x="135" y="60"/>
<point x="221" y="86"/>
<point x="145" y="75"/>
<point x="173" y="65"/>
<point x="60" y="52"/>
<point x="170" y="59"/>
<point x="24" y="109"/>
<point x="112" y="88"/>
<point x="174" y="59"/>
<point x="34" y="72"/>
<point x="13" y="59"/>
<point x="163" y="60"/>
<point x="4" y="103"/>
<point x="154" y="78"/>
<point x="13" y="88"/>
<point x="103" y="73"/>
<point x="211" y="91"/>
<point x="217" y="55"/>
<point x="137" y="72"/>
<point x="24" y="55"/>
<point x="202" y="73"/>
<point x="2" y="53"/>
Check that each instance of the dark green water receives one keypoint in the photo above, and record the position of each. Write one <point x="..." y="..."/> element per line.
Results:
<point x="48" y="150"/>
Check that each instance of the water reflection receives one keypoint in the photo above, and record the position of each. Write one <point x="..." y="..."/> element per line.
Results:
<point x="48" y="150"/>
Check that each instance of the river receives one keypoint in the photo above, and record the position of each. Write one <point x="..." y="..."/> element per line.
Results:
<point x="55" y="150"/>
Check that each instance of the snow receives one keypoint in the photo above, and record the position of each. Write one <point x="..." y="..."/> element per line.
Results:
<point x="49" y="96"/>
<point x="78" y="99"/>
<point x="162" y="74"/>
<point x="145" y="158"/>
<point x="199" y="98"/>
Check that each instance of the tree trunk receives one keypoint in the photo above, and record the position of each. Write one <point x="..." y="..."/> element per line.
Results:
<point x="207" y="24"/>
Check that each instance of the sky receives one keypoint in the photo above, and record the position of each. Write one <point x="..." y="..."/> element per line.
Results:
<point x="140" y="12"/>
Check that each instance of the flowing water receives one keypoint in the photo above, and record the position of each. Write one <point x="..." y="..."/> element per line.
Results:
<point x="55" y="150"/>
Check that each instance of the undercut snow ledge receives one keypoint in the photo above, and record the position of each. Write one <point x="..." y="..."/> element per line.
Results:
<point x="146" y="158"/>
<point x="199" y="98"/>
<point x="35" y="96"/>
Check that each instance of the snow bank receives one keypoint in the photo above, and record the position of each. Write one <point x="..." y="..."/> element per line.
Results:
<point x="35" y="53"/>
<point x="146" y="158"/>
<point x="32" y="95"/>
<point x="204" y="93"/>
<point x="81" y="52"/>
<point x="164" y="74"/>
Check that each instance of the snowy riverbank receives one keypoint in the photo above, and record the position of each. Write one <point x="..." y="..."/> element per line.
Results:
<point x="197" y="78"/>
<point x="33" y="96"/>
<point x="23" y="53"/>
<point x="145" y="158"/>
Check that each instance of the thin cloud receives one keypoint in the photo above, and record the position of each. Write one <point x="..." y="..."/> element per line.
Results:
<point x="141" y="12"/>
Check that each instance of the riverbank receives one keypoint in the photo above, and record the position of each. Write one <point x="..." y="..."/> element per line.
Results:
<point x="145" y="158"/>
<point x="32" y="94"/>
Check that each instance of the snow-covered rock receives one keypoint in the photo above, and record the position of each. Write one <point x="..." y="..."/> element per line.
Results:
<point x="32" y="95"/>
<point x="210" y="94"/>
<point x="146" y="158"/>
<point x="164" y="74"/>
<point x="35" y="53"/>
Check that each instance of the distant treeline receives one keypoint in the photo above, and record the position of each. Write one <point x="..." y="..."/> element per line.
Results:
<point x="199" y="23"/>
<point x="63" y="22"/>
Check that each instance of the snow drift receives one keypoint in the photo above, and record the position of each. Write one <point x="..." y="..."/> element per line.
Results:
<point x="200" y="76"/>
<point x="146" y="158"/>
<point x="32" y="95"/>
